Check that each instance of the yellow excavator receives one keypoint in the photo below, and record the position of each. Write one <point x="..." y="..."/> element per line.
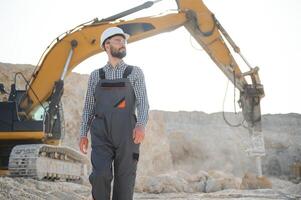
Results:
<point x="31" y="120"/>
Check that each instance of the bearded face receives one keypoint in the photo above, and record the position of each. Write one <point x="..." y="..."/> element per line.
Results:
<point x="117" y="46"/>
<point x="118" y="52"/>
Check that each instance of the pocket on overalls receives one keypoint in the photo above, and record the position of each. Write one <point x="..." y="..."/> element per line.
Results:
<point x="136" y="147"/>
<point x="97" y="130"/>
<point x="133" y="120"/>
<point x="120" y="104"/>
<point x="95" y="125"/>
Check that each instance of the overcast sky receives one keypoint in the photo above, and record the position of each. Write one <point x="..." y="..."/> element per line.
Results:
<point x="179" y="75"/>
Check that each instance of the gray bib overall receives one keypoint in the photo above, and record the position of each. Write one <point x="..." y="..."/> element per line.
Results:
<point x="112" y="139"/>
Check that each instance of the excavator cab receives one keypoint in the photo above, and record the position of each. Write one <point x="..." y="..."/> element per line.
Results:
<point x="16" y="128"/>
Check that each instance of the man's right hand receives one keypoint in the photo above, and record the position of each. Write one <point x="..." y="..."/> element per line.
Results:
<point x="83" y="144"/>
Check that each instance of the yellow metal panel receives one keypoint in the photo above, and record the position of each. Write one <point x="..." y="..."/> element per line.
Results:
<point x="88" y="38"/>
<point x="21" y="135"/>
<point x="4" y="172"/>
<point x="213" y="44"/>
<point x="53" y="142"/>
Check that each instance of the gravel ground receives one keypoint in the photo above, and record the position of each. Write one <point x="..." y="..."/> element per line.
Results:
<point x="29" y="189"/>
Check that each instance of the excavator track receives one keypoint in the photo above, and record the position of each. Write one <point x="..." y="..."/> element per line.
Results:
<point x="41" y="161"/>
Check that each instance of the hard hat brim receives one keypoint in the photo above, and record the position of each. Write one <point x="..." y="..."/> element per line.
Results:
<point x="111" y="32"/>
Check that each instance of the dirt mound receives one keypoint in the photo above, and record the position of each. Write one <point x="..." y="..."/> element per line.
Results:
<point x="182" y="152"/>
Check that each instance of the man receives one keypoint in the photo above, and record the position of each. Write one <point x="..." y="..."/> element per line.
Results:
<point x="114" y="92"/>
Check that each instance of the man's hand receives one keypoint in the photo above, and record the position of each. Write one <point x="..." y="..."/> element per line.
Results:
<point x="83" y="144"/>
<point x="138" y="134"/>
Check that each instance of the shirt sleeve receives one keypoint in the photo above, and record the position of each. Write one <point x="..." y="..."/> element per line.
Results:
<point x="141" y="98"/>
<point x="89" y="105"/>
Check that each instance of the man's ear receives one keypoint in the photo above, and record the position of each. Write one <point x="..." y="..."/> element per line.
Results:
<point x="106" y="46"/>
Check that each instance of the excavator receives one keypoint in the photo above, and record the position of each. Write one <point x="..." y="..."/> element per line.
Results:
<point x="31" y="120"/>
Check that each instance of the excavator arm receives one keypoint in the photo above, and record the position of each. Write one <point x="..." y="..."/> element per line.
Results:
<point x="55" y="63"/>
<point x="83" y="42"/>
<point x="78" y="44"/>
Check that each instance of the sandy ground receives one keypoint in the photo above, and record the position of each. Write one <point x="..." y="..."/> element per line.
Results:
<point x="225" y="194"/>
<point x="188" y="141"/>
<point x="29" y="189"/>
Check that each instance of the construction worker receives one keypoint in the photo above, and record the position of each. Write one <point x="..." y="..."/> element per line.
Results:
<point x="115" y="93"/>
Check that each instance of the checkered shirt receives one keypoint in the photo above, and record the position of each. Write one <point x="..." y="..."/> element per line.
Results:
<point x="136" y="78"/>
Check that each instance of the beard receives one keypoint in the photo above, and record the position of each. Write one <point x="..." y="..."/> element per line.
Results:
<point x="118" y="53"/>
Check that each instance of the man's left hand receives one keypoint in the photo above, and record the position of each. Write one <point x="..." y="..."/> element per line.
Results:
<point x="138" y="134"/>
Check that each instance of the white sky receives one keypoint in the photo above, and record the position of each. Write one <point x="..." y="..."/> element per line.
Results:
<point x="178" y="76"/>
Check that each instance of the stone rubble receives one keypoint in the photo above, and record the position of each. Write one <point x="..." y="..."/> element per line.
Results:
<point x="185" y="155"/>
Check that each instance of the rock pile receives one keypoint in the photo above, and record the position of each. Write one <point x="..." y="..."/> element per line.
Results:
<point x="183" y="151"/>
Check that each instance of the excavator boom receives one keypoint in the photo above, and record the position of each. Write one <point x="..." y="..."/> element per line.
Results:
<point x="87" y="37"/>
<point x="76" y="45"/>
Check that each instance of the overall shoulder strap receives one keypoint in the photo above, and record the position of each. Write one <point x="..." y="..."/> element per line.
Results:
<point x="102" y="74"/>
<point x="128" y="70"/>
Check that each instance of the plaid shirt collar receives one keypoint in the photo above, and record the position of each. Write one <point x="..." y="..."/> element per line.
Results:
<point x="120" y="66"/>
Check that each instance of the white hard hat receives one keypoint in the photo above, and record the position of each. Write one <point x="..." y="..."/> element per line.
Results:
<point x="109" y="32"/>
